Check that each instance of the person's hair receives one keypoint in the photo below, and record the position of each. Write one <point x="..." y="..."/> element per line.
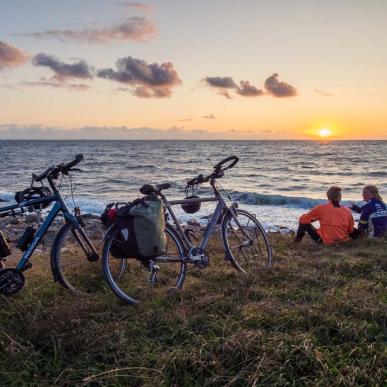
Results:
<point x="373" y="189"/>
<point x="334" y="194"/>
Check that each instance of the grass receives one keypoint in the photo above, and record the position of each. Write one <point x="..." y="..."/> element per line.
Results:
<point x="317" y="318"/>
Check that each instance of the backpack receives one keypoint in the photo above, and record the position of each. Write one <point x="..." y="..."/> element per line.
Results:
<point x="141" y="229"/>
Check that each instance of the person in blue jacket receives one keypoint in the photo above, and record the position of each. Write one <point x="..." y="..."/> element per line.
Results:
<point x="373" y="218"/>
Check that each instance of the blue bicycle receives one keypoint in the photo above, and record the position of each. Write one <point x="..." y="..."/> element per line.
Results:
<point x="72" y="251"/>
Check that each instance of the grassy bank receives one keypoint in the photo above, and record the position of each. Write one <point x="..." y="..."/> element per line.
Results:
<point x="317" y="318"/>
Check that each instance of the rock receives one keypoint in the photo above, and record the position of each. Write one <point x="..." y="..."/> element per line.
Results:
<point x="48" y="238"/>
<point x="33" y="218"/>
<point x="193" y="223"/>
<point x="13" y="220"/>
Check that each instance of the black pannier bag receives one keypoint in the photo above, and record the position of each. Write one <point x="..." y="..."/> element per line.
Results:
<point x="141" y="229"/>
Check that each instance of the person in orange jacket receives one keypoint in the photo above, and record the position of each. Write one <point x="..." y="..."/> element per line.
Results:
<point x="336" y="221"/>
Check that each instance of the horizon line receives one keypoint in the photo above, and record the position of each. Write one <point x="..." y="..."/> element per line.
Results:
<point x="185" y="140"/>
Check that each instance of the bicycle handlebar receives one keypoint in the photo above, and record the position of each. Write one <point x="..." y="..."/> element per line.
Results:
<point x="233" y="159"/>
<point x="199" y="179"/>
<point x="61" y="168"/>
<point x="68" y="166"/>
<point x="217" y="173"/>
<point x="43" y="175"/>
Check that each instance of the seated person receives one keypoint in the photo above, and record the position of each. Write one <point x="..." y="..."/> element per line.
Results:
<point x="336" y="221"/>
<point x="373" y="216"/>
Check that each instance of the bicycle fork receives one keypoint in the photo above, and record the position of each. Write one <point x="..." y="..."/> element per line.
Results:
<point x="81" y="237"/>
<point x="89" y="250"/>
<point x="236" y="220"/>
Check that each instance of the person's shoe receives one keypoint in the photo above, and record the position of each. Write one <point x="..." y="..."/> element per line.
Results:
<point x="297" y="240"/>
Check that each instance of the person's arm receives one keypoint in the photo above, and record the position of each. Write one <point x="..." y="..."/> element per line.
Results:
<point x="364" y="218"/>
<point x="351" y="224"/>
<point x="311" y="216"/>
<point x="355" y="208"/>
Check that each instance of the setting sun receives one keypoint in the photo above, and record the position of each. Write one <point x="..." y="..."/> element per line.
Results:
<point x="325" y="132"/>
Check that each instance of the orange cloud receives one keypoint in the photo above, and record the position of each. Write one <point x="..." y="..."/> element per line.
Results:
<point x="10" y="56"/>
<point x="134" y="28"/>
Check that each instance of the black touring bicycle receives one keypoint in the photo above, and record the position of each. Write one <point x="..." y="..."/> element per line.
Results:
<point x="244" y="241"/>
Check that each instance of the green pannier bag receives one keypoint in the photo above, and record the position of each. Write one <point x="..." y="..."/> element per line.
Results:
<point x="141" y="226"/>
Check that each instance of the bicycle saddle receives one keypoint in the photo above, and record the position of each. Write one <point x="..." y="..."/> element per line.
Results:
<point x="148" y="189"/>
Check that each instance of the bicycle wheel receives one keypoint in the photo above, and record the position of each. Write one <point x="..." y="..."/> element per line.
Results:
<point x="70" y="264"/>
<point x="246" y="243"/>
<point x="142" y="280"/>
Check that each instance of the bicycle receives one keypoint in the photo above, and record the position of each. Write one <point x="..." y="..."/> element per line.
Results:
<point x="244" y="240"/>
<point x="70" y="244"/>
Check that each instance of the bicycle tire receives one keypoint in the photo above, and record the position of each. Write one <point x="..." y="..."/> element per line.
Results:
<point x="69" y="262"/>
<point x="133" y="287"/>
<point x="254" y="251"/>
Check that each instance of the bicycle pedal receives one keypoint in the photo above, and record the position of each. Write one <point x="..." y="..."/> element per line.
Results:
<point x="93" y="257"/>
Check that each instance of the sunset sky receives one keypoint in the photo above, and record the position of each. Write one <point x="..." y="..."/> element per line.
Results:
<point x="202" y="69"/>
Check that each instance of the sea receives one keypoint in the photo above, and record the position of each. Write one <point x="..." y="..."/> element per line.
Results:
<point x="276" y="180"/>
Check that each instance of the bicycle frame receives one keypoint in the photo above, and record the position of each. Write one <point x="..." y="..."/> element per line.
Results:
<point x="219" y="212"/>
<point x="59" y="206"/>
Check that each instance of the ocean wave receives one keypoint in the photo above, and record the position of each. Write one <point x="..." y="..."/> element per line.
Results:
<point x="275" y="200"/>
<point x="6" y="196"/>
<point x="377" y="173"/>
<point x="94" y="205"/>
<point x="253" y="198"/>
<point x="142" y="166"/>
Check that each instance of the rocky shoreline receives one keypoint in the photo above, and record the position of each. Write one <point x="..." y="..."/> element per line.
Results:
<point x="13" y="228"/>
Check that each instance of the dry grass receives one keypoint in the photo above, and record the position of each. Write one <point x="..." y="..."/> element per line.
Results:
<point x="317" y="318"/>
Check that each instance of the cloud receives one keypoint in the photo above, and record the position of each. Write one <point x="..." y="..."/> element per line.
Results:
<point x="140" y="6"/>
<point x="226" y="84"/>
<point x="134" y="28"/>
<point x="39" y="132"/>
<point x="10" y="56"/>
<point x="323" y="93"/>
<point x="248" y="90"/>
<point x="56" y="85"/>
<point x="63" y="70"/>
<point x="150" y="80"/>
<point x="279" y="89"/>
<point x="221" y="82"/>
<point x="185" y="120"/>
<point x="8" y="86"/>
<point x="272" y="86"/>
<point x="210" y="117"/>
